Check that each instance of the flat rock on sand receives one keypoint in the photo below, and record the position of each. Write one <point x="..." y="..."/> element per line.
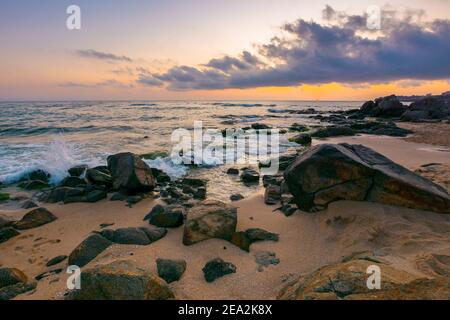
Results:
<point x="121" y="280"/>
<point x="35" y="218"/>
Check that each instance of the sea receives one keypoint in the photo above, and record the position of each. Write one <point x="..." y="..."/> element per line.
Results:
<point x="55" y="136"/>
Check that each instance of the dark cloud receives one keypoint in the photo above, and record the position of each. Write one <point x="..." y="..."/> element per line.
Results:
<point x="94" y="54"/>
<point x="342" y="50"/>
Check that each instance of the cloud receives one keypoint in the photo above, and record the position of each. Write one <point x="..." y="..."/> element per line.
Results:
<point x="106" y="56"/>
<point x="341" y="49"/>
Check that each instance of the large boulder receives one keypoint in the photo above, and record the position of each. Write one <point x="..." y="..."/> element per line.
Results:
<point x="209" y="219"/>
<point x="35" y="218"/>
<point x="88" y="250"/>
<point x="427" y="109"/>
<point x="329" y="173"/>
<point x="130" y="173"/>
<point x="11" y="276"/>
<point x="121" y="280"/>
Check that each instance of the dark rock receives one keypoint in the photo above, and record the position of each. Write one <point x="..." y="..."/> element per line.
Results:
<point x="298" y="127"/>
<point x="333" y="131"/>
<point x="250" y="176"/>
<point x="34" y="185"/>
<point x="47" y="274"/>
<point x="160" y="176"/>
<point x="10" y="292"/>
<point x="272" y="194"/>
<point x="7" y="233"/>
<point x="130" y="173"/>
<point x="233" y="171"/>
<point x="40" y="175"/>
<point x="200" y="194"/>
<point x="134" y="199"/>
<point x="217" y="268"/>
<point x="330" y="173"/>
<point x="236" y="197"/>
<point x="98" y="177"/>
<point x="6" y="221"/>
<point x="95" y="196"/>
<point x="121" y="280"/>
<point x="170" y="270"/>
<point x="118" y="196"/>
<point x="171" y="216"/>
<point x="72" y="182"/>
<point x="386" y="107"/>
<point x="88" y="250"/>
<point x="244" y="239"/>
<point x="209" y="219"/>
<point x="265" y="258"/>
<point x="272" y="180"/>
<point x="77" y="171"/>
<point x="194" y="182"/>
<point x="154" y="233"/>
<point x="56" y="260"/>
<point x="260" y="126"/>
<point x="11" y="276"/>
<point x="134" y="236"/>
<point x="4" y="197"/>
<point x="427" y="109"/>
<point x="157" y="209"/>
<point x="303" y="139"/>
<point x="35" y="218"/>
<point x="28" y="205"/>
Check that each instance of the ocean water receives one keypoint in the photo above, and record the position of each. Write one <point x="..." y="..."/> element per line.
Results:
<point x="55" y="136"/>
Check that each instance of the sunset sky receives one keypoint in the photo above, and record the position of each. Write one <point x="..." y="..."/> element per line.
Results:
<point x="227" y="49"/>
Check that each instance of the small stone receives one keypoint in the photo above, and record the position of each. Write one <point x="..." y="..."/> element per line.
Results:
<point x="56" y="260"/>
<point x="233" y="171"/>
<point x="170" y="270"/>
<point x="236" y="197"/>
<point x="217" y="268"/>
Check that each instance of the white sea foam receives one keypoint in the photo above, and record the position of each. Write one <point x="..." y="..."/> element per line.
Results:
<point x="174" y="171"/>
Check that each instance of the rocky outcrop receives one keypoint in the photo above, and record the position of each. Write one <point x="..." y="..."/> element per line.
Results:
<point x="386" y="107"/>
<point x="329" y="173"/>
<point x="209" y="219"/>
<point x="88" y="250"/>
<point x="348" y="280"/>
<point x="170" y="270"/>
<point x="130" y="173"/>
<point x="121" y="280"/>
<point x="216" y="269"/>
<point x="35" y="218"/>
<point x="13" y="282"/>
<point x="427" y="109"/>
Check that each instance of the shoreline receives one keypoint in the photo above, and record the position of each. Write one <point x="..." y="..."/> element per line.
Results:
<point x="399" y="237"/>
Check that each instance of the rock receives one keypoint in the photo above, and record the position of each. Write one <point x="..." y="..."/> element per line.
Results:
<point x="7" y="233"/>
<point x="134" y="199"/>
<point x="250" y="176"/>
<point x="343" y="281"/>
<point x="37" y="175"/>
<point x="298" y="127"/>
<point x="56" y="260"/>
<point x="200" y="194"/>
<point x="72" y="182"/>
<point x="77" y="171"/>
<point x="260" y="126"/>
<point x="118" y="196"/>
<point x="276" y="180"/>
<point x="194" y="182"/>
<point x="160" y="176"/>
<point x="233" y="171"/>
<point x="4" y="197"/>
<point x="47" y="274"/>
<point x="209" y="219"/>
<point x="244" y="239"/>
<point x="333" y="131"/>
<point x="11" y="276"/>
<point x="121" y="280"/>
<point x="134" y="236"/>
<point x="265" y="258"/>
<point x="10" y="292"/>
<point x="379" y="128"/>
<point x="217" y="268"/>
<point x="98" y="177"/>
<point x="28" y="204"/>
<point x="171" y="216"/>
<point x="88" y="250"/>
<point x="170" y="270"/>
<point x="303" y="139"/>
<point x="6" y="221"/>
<point x="157" y="209"/>
<point x="272" y="195"/>
<point x="35" y="218"/>
<point x="330" y="173"/>
<point x="130" y="173"/>
<point x="154" y="233"/>
<point x="386" y="107"/>
<point x="34" y="185"/>
<point x="236" y="197"/>
<point x="95" y="196"/>
<point x="427" y="109"/>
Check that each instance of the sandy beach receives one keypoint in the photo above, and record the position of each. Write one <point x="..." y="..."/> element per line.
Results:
<point x="402" y="238"/>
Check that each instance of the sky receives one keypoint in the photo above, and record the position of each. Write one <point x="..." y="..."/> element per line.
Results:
<point x="227" y="49"/>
